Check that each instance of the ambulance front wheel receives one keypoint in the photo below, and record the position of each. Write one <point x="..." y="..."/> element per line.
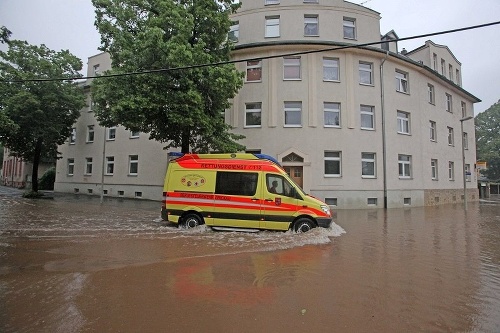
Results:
<point x="192" y="220"/>
<point x="303" y="225"/>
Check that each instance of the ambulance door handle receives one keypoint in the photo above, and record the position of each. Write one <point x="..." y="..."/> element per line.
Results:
<point x="255" y="199"/>
<point x="269" y="200"/>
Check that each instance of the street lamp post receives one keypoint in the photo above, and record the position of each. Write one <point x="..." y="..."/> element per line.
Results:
<point x="463" y="159"/>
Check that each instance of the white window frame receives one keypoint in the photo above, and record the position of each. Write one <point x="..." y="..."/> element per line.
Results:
<point x="292" y="63"/>
<point x="451" y="136"/>
<point x="431" y="94"/>
<point x="331" y="65"/>
<point x="110" y="165"/>
<point x="435" y="61"/>
<point x="90" y="134"/>
<point x="434" y="169"/>
<point x="292" y="107"/>
<point x="72" y="136"/>
<point x="71" y="166"/>
<point x="404" y="166"/>
<point x="468" y="178"/>
<point x="349" y="28"/>
<point x="88" y="165"/>
<point x="253" y="66"/>
<point x="311" y="22"/>
<point x="458" y="77"/>
<point x="111" y="133"/>
<point x="402" y="82"/>
<point x="133" y="160"/>
<point x="333" y="159"/>
<point x="463" y="106"/>
<point x="253" y="108"/>
<point x="433" y="131"/>
<point x="96" y="69"/>
<point x="466" y="140"/>
<point x="234" y="32"/>
<point x="443" y="67"/>
<point x="403" y="122"/>
<point x="450" y="71"/>
<point x="367" y="112"/>
<point x="451" y="170"/>
<point x="449" y="103"/>
<point x="272" y="27"/>
<point x="135" y="134"/>
<point x="272" y="2"/>
<point x="366" y="160"/>
<point x="334" y="109"/>
<point x="365" y="67"/>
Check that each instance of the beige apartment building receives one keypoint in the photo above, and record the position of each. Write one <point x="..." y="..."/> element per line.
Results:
<point x="352" y="120"/>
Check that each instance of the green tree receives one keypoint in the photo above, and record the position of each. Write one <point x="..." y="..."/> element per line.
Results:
<point x="183" y="107"/>
<point x="488" y="140"/>
<point x="36" y="116"/>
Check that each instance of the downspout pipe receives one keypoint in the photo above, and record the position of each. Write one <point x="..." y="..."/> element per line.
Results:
<point x="384" y="139"/>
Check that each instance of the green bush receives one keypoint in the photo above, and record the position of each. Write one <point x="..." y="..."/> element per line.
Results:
<point x="46" y="182"/>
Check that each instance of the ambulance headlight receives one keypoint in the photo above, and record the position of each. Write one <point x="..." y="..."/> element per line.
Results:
<point x="326" y="209"/>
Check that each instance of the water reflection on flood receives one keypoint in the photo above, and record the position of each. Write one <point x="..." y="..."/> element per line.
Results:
<point x="74" y="265"/>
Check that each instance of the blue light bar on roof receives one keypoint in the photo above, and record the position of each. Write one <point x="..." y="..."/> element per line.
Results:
<point x="267" y="157"/>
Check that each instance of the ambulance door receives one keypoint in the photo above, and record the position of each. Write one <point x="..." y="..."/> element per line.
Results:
<point x="236" y="199"/>
<point x="279" y="202"/>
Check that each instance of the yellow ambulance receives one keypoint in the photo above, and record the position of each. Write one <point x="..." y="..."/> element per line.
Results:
<point x="244" y="192"/>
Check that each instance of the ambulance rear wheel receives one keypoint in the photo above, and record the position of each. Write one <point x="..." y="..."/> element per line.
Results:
<point x="192" y="220"/>
<point x="303" y="225"/>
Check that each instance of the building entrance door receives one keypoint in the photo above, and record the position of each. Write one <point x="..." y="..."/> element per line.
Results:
<point x="296" y="174"/>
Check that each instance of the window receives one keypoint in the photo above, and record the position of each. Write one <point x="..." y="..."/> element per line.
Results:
<point x="90" y="133"/>
<point x="311" y="25"/>
<point x="121" y="193"/>
<point x="253" y="114"/>
<point x="293" y="114"/>
<point x="138" y="194"/>
<point x="272" y="2"/>
<point x="466" y="141"/>
<point x="432" y="127"/>
<point x="333" y="164"/>
<point x="96" y="69"/>
<point x="331" y="201"/>
<point x="332" y="114"/>
<point x="279" y="185"/>
<point x="434" y="169"/>
<point x="71" y="166"/>
<point x="458" y="78"/>
<point x="110" y="165"/>
<point x="88" y="165"/>
<point x="236" y="183"/>
<point x="310" y="1"/>
<point x="451" y="170"/>
<point x="407" y="201"/>
<point x="111" y="133"/>
<point x="451" y="139"/>
<point x="133" y="164"/>
<point x="371" y="201"/>
<point x="72" y="136"/>
<point x="443" y="67"/>
<point x="368" y="165"/>
<point x="254" y="71"/>
<point x="330" y="69"/>
<point x="92" y="105"/>
<point x="468" y="175"/>
<point x="234" y="31"/>
<point x="134" y="134"/>
<point x="464" y="109"/>
<point x="272" y="26"/>
<point x="365" y="73"/>
<point x="367" y="117"/>
<point x="349" y="25"/>
<point x="403" y="122"/>
<point x="404" y="162"/>
<point x="431" y="95"/>
<point x="450" y="72"/>
<point x="449" y="103"/>
<point x="402" y="82"/>
<point x="435" y="61"/>
<point x="291" y="68"/>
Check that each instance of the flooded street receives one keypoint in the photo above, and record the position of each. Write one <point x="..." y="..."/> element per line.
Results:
<point x="71" y="264"/>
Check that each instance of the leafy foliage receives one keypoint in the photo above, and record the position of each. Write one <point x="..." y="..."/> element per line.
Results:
<point x="181" y="107"/>
<point x="36" y="116"/>
<point x="47" y="180"/>
<point x="488" y="140"/>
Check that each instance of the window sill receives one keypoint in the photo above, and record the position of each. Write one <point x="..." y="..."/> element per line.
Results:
<point x="367" y="129"/>
<point x="333" y="176"/>
<point x="311" y="35"/>
<point x="292" y="126"/>
<point x="254" y="81"/>
<point x="405" y="178"/>
<point x="89" y="142"/>
<point x="367" y="84"/>
<point x="292" y="79"/>
<point x="403" y="92"/>
<point x="369" y="177"/>
<point x="255" y="126"/>
<point x="132" y="175"/>
<point x="403" y="133"/>
<point x="331" y="126"/>
<point x="334" y="81"/>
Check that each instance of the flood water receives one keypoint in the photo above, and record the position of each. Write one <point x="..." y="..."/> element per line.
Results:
<point x="71" y="264"/>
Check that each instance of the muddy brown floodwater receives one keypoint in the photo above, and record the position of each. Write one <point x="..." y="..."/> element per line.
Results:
<point x="71" y="264"/>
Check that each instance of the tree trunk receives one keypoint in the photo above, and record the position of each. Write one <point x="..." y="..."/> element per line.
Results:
<point x="185" y="141"/>
<point x="36" y="162"/>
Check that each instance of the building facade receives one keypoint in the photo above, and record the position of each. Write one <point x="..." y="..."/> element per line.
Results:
<point x="17" y="173"/>
<point x="352" y="120"/>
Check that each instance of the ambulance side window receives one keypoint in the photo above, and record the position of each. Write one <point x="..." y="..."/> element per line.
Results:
<point x="236" y="183"/>
<point x="279" y="185"/>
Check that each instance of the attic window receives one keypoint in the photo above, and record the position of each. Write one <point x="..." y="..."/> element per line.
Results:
<point x="292" y="158"/>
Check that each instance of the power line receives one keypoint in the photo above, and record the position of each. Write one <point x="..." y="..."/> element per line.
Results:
<point x="151" y="71"/>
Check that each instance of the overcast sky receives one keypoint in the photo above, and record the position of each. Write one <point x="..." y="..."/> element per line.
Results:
<point x="69" y="24"/>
